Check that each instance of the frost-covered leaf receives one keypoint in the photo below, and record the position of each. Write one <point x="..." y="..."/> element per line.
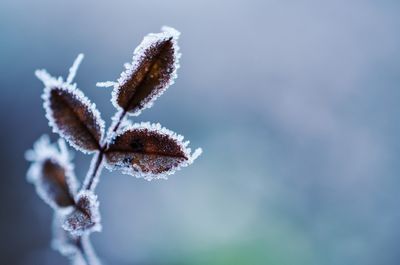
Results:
<point x="71" y="245"/>
<point x="85" y="217"/>
<point x="149" y="151"/>
<point x="51" y="172"/>
<point x="70" y="113"/>
<point x="54" y="184"/>
<point x="153" y="70"/>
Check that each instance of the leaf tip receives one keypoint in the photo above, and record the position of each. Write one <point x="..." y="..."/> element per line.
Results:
<point x="196" y="154"/>
<point x="171" y="31"/>
<point x="46" y="78"/>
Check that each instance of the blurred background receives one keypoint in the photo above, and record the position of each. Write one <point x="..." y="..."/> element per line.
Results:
<point x="295" y="104"/>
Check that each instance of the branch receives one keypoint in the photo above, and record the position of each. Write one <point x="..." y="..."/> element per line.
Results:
<point x="92" y="177"/>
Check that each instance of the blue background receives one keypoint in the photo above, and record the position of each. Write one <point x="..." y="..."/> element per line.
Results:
<point x="295" y="104"/>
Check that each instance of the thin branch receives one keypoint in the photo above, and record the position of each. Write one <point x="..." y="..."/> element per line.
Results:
<point x="74" y="68"/>
<point x="94" y="171"/>
<point x="90" y="184"/>
<point x="97" y="161"/>
<point x="106" y="84"/>
<point x="86" y="250"/>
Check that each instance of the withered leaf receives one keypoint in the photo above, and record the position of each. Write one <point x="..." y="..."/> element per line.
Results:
<point x="72" y="115"/>
<point x="153" y="69"/>
<point x="51" y="173"/>
<point x="54" y="184"/>
<point x="85" y="217"/>
<point x="148" y="151"/>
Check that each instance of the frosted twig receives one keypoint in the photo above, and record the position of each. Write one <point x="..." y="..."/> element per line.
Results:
<point x="106" y="84"/>
<point x="96" y="165"/>
<point x="143" y="150"/>
<point x="74" y="68"/>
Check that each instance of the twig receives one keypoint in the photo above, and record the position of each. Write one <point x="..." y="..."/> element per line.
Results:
<point x="91" y="182"/>
<point x="96" y="163"/>
<point x="152" y="71"/>
<point x="86" y="250"/>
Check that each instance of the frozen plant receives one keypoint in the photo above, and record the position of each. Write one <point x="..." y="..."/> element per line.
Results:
<point x="142" y="150"/>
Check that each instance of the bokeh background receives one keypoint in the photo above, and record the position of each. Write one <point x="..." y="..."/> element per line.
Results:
<point x="295" y="103"/>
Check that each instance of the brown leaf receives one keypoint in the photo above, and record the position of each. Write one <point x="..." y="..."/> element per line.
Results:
<point x="153" y="69"/>
<point x="51" y="173"/>
<point x="55" y="185"/>
<point x="148" y="151"/>
<point x="72" y="115"/>
<point x="85" y="217"/>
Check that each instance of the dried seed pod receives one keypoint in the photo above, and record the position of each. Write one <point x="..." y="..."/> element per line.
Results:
<point x="86" y="217"/>
<point x="149" y="151"/>
<point x="52" y="173"/>
<point x="152" y="71"/>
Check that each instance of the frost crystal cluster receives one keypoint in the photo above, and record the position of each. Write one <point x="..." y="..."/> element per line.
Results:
<point x="143" y="150"/>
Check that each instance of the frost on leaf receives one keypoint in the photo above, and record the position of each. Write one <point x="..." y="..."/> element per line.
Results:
<point x="71" y="245"/>
<point x="70" y="113"/>
<point x="148" y="151"/>
<point x="85" y="217"/>
<point x="52" y="174"/>
<point x="153" y="70"/>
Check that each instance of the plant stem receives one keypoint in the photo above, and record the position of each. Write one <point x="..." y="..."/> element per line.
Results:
<point x="90" y="183"/>
<point x="96" y="164"/>
<point x="94" y="170"/>
<point x="82" y="250"/>
<point x="86" y="250"/>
